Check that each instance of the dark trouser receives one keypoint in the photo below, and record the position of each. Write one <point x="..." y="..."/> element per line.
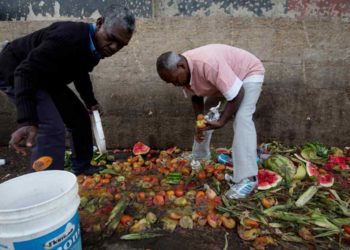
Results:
<point x="55" y="110"/>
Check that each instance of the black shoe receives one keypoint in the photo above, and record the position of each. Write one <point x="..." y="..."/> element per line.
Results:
<point x="87" y="171"/>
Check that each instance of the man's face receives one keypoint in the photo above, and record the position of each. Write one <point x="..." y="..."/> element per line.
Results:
<point x="109" y="42"/>
<point x="179" y="77"/>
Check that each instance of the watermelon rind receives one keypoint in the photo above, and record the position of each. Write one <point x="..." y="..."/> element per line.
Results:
<point x="326" y="180"/>
<point x="140" y="149"/>
<point x="263" y="184"/>
<point x="312" y="170"/>
<point x="281" y="165"/>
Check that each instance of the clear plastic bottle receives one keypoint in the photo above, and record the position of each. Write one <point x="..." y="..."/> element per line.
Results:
<point x="213" y="114"/>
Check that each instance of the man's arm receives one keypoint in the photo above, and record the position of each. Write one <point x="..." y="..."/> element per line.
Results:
<point x="45" y="60"/>
<point x="198" y="107"/>
<point x="197" y="104"/>
<point x="84" y="87"/>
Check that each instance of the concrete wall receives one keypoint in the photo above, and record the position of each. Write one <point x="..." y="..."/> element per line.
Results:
<point x="49" y="9"/>
<point x="306" y="95"/>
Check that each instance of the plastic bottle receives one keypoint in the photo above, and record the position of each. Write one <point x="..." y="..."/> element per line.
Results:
<point x="213" y="114"/>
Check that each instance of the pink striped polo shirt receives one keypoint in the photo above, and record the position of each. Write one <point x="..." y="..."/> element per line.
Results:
<point x="218" y="69"/>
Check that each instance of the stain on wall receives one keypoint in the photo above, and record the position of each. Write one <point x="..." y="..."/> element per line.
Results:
<point x="331" y="8"/>
<point x="59" y="9"/>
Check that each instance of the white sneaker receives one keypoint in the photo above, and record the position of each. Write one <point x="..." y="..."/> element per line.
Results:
<point x="229" y="178"/>
<point x="242" y="189"/>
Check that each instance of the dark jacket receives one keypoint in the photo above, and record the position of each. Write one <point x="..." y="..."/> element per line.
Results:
<point x="48" y="58"/>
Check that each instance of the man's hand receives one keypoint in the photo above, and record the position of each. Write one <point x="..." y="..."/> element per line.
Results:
<point x="97" y="107"/>
<point x="27" y="133"/>
<point x="213" y="125"/>
<point x="199" y="134"/>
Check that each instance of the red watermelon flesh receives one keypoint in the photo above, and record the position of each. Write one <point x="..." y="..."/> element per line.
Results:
<point x="140" y="149"/>
<point x="312" y="170"/>
<point x="326" y="180"/>
<point x="171" y="150"/>
<point x="338" y="163"/>
<point x="268" y="179"/>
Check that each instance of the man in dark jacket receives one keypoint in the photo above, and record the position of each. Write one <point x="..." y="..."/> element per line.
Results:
<point x="35" y="71"/>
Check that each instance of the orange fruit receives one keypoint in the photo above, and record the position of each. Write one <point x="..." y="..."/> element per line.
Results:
<point x="42" y="163"/>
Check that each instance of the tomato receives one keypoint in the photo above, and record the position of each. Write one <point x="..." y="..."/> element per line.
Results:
<point x="89" y="183"/>
<point x="228" y="222"/>
<point x="117" y="196"/>
<point x="126" y="220"/>
<point x="250" y="223"/>
<point x="185" y="171"/>
<point x="214" y="220"/>
<point x="141" y="196"/>
<point x="111" y="190"/>
<point x="201" y="198"/>
<point x="209" y="169"/>
<point x="162" y="193"/>
<point x="170" y="192"/>
<point x="108" y="176"/>
<point x="179" y="192"/>
<point x="105" y="181"/>
<point x="268" y="202"/>
<point x="201" y="175"/>
<point x="175" y="216"/>
<point x="147" y="178"/>
<point x="346" y="228"/>
<point x="158" y="200"/>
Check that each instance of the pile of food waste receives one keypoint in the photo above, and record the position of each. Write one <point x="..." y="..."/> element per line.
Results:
<point x="303" y="195"/>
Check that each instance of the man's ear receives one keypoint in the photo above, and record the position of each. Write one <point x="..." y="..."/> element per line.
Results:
<point x="99" y="22"/>
<point x="181" y="64"/>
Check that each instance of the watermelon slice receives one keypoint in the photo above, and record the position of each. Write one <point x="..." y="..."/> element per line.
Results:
<point x="312" y="170"/>
<point x="268" y="179"/>
<point x="140" y="149"/>
<point x="171" y="150"/>
<point x="326" y="180"/>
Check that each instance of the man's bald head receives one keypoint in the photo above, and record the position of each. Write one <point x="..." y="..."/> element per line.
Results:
<point x="168" y="61"/>
<point x="173" y="68"/>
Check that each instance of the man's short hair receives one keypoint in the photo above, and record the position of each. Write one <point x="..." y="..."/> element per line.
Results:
<point x="119" y="14"/>
<point x="168" y="61"/>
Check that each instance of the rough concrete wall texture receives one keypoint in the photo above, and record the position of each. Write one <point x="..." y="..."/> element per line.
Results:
<point x="48" y="9"/>
<point x="306" y="94"/>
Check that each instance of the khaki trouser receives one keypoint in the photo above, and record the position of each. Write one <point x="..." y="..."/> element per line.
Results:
<point x="244" y="143"/>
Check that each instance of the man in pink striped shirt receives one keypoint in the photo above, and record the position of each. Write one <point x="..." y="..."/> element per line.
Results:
<point x="212" y="73"/>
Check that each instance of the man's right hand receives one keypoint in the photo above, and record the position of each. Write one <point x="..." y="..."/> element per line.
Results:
<point x="199" y="135"/>
<point x="27" y="133"/>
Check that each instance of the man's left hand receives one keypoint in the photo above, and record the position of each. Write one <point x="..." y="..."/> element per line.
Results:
<point x="98" y="108"/>
<point x="213" y="125"/>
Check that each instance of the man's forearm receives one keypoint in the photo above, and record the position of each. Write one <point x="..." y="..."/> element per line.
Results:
<point x="84" y="87"/>
<point x="232" y="107"/>
<point x="198" y="105"/>
<point x="25" y="102"/>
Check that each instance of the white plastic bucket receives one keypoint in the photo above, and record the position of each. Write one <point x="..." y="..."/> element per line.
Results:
<point x="40" y="211"/>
